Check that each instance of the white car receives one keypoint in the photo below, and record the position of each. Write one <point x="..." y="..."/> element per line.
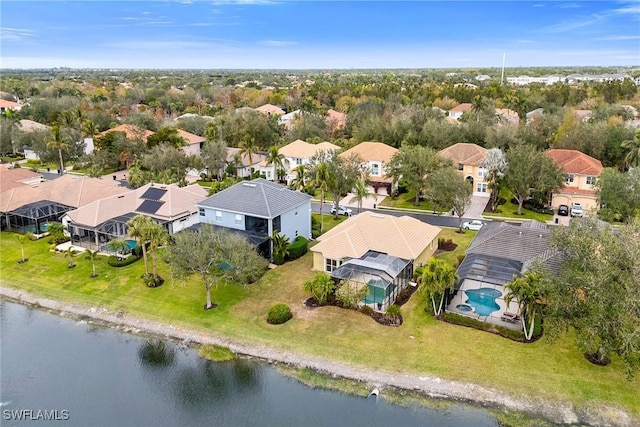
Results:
<point x="576" y="210"/>
<point x="472" y="225"/>
<point x="342" y="210"/>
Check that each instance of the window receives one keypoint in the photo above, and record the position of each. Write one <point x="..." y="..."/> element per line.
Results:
<point x="331" y="264"/>
<point x="201" y="211"/>
<point x="218" y="216"/>
<point x="482" y="172"/>
<point x="460" y="167"/>
<point x="375" y="169"/>
<point x="238" y="219"/>
<point x="570" y="179"/>
<point x="298" y="161"/>
<point x="481" y="187"/>
<point x="591" y="180"/>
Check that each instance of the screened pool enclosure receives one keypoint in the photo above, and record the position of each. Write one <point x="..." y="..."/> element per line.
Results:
<point x="384" y="275"/>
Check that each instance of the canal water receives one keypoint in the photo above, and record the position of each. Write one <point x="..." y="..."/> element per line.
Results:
<point x="60" y="371"/>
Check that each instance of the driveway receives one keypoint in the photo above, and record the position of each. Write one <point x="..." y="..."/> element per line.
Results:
<point x="478" y="203"/>
<point x="367" y="202"/>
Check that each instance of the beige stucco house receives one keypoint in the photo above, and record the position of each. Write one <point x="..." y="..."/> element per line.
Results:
<point x="582" y="172"/>
<point x="376" y="156"/>
<point x="467" y="159"/>
<point x="299" y="152"/>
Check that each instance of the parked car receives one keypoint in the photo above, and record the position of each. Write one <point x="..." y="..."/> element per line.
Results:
<point x="576" y="210"/>
<point x="563" y="210"/>
<point x="342" y="210"/>
<point x="473" y="225"/>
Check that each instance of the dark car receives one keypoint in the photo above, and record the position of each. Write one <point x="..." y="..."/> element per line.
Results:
<point x="563" y="210"/>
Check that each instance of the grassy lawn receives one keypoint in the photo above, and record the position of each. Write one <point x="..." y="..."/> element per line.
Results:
<point x="406" y="201"/>
<point x="510" y="210"/>
<point x="421" y="346"/>
<point x="462" y="240"/>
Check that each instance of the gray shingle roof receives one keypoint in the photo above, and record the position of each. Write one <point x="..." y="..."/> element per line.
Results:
<point x="508" y="241"/>
<point x="259" y="198"/>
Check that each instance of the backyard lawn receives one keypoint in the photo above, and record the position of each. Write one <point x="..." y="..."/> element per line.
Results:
<point x="421" y="346"/>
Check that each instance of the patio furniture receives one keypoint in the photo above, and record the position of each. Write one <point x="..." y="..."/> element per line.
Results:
<point x="509" y="317"/>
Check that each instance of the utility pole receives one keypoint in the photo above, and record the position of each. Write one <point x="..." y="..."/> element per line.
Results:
<point x="504" y="57"/>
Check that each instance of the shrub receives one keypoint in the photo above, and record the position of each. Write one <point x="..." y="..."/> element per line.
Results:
<point x="402" y="186"/>
<point x="460" y="258"/>
<point x="113" y="261"/>
<point x="297" y="248"/>
<point x="365" y="309"/>
<point x="393" y="312"/>
<point x="349" y="294"/>
<point x="321" y="287"/>
<point x="150" y="281"/>
<point x="279" y="314"/>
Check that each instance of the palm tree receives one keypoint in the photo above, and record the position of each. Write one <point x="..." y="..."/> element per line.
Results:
<point x="633" y="146"/>
<point x="157" y="236"/>
<point x="248" y="147"/>
<point x="528" y="294"/>
<point x="71" y="254"/>
<point x="22" y="238"/>
<point x="89" y="129"/>
<point x="298" y="183"/>
<point x="91" y="256"/>
<point x="118" y="245"/>
<point x="274" y="158"/>
<point x="58" y="140"/>
<point x="496" y="165"/>
<point x="138" y="228"/>
<point x="360" y="192"/>
<point x="281" y="245"/>
<point x="437" y="276"/>
<point x="321" y="181"/>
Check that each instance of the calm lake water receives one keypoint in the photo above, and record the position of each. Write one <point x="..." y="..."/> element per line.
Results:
<point x="91" y="376"/>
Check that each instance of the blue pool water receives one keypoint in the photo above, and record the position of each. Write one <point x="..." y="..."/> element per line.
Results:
<point x="483" y="300"/>
<point x="131" y="245"/>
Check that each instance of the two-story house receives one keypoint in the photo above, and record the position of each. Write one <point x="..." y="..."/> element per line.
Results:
<point x="376" y="156"/>
<point x="458" y="111"/>
<point x="582" y="172"/>
<point x="256" y="209"/>
<point x="467" y="159"/>
<point x="299" y="152"/>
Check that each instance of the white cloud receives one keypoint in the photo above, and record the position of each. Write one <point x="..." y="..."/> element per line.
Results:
<point x="169" y="44"/>
<point x="16" y="34"/>
<point x="618" y="38"/>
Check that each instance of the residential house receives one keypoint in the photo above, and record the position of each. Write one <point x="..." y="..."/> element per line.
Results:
<point x="257" y="209"/>
<point x="9" y="105"/>
<point x="288" y="120"/>
<point x="95" y="224"/>
<point x="378" y="251"/>
<point x="457" y="112"/>
<point x="498" y="254"/>
<point x="482" y="77"/>
<point x="29" y="208"/>
<point x="193" y="143"/>
<point x="376" y="156"/>
<point x="131" y="132"/>
<point x="582" y="172"/>
<point x="299" y="152"/>
<point x="534" y="115"/>
<point x="270" y="110"/>
<point x="30" y="126"/>
<point x="507" y="116"/>
<point x="17" y="177"/>
<point x="467" y="159"/>
<point x="335" y="121"/>
<point x="243" y="164"/>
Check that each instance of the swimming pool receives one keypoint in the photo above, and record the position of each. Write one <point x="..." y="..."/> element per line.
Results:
<point x="131" y="245"/>
<point x="483" y="300"/>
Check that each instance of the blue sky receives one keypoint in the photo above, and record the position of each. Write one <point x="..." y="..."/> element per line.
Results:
<point x="327" y="34"/>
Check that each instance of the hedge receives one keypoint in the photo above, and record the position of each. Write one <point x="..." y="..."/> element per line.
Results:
<point x="298" y="248"/>
<point x="279" y="314"/>
<point x="113" y="261"/>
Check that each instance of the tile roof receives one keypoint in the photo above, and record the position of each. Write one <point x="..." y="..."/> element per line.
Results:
<point x="17" y="177"/>
<point x="259" y="198"/>
<point x="304" y="150"/>
<point x="372" y="151"/>
<point x="270" y="109"/>
<point x="402" y="237"/>
<point x="176" y="203"/>
<point x="504" y="240"/>
<point x="9" y="104"/>
<point x="575" y="162"/>
<point x="70" y="190"/>
<point x="465" y="106"/>
<point x="255" y="157"/>
<point x="190" y="137"/>
<point x="31" y="126"/>
<point x="465" y="153"/>
<point x="130" y="131"/>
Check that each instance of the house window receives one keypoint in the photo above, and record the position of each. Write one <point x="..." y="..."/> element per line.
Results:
<point x="570" y="179"/>
<point x="238" y="219"/>
<point x="331" y="264"/>
<point x="591" y="180"/>
<point x="298" y="161"/>
<point x="460" y="167"/>
<point x="218" y="216"/>
<point x="201" y="211"/>
<point x="375" y="169"/>
<point x="481" y="187"/>
<point x="482" y="172"/>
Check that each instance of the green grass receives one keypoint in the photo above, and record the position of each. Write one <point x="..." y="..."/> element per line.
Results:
<point x="216" y="353"/>
<point x="510" y="210"/>
<point x="328" y="221"/>
<point x="406" y="201"/>
<point x="462" y="240"/>
<point x="421" y="346"/>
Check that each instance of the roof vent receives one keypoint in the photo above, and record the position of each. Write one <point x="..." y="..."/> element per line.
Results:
<point x="539" y="235"/>
<point x="520" y="233"/>
<point x="246" y="184"/>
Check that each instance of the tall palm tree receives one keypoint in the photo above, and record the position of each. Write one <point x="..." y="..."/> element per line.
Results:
<point x="138" y="228"/>
<point x="275" y="158"/>
<point x="58" y="140"/>
<point x="157" y="236"/>
<point x="633" y="146"/>
<point x="22" y="238"/>
<point x="321" y="181"/>
<point x="91" y="256"/>
<point x="437" y="276"/>
<point x="360" y="192"/>
<point x="496" y="164"/>
<point x="298" y="183"/>
<point x="89" y="129"/>
<point x="528" y="294"/>
<point x="249" y="147"/>
<point x="71" y="254"/>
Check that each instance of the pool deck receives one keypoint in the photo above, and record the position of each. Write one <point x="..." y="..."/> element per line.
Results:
<point x="494" y="317"/>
